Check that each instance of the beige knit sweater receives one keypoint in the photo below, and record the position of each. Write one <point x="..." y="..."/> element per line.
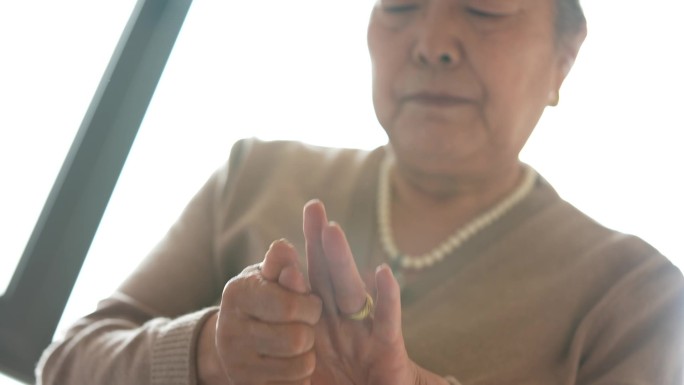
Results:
<point x="543" y="296"/>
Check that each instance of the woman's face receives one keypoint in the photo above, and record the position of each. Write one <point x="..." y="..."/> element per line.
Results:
<point x="459" y="84"/>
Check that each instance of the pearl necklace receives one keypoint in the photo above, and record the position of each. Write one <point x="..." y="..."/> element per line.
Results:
<point x="399" y="260"/>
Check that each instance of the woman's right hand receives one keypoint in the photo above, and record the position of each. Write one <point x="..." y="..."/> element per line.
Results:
<point x="263" y="332"/>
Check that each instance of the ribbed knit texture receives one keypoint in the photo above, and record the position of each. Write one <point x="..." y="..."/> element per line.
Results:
<point x="174" y="350"/>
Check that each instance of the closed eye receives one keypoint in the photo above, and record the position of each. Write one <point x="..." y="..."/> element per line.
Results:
<point x="398" y="9"/>
<point x="485" y="14"/>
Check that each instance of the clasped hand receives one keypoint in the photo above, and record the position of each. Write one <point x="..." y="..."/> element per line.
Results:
<point x="276" y="327"/>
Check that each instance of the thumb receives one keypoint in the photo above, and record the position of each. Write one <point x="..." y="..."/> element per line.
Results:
<point x="292" y="279"/>
<point x="281" y="264"/>
<point x="280" y="254"/>
<point x="387" y="321"/>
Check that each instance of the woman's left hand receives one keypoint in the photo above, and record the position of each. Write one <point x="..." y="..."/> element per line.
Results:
<point x="368" y="351"/>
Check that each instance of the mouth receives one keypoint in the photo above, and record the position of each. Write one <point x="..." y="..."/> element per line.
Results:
<point x="436" y="99"/>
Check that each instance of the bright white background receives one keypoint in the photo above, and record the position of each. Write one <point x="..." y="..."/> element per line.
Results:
<point x="299" y="70"/>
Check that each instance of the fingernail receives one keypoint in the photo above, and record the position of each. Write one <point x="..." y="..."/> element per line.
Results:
<point x="312" y="201"/>
<point x="278" y="241"/>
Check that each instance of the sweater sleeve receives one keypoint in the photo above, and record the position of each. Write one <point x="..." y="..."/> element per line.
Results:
<point x="107" y="350"/>
<point x="146" y="333"/>
<point x="635" y="336"/>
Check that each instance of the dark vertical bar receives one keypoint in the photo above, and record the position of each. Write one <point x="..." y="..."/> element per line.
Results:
<point x="38" y="292"/>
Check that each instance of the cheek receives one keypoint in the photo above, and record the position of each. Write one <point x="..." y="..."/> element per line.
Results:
<point x="516" y="85"/>
<point x="386" y="69"/>
<point x="509" y="72"/>
<point x="384" y="100"/>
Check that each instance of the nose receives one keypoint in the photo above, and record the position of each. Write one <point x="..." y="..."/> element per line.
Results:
<point x="438" y="44"/>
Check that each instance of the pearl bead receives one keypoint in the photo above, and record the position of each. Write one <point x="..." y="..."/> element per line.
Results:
<point x="456" y="240"/>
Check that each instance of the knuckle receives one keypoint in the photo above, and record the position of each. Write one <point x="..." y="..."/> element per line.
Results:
<point x="241" y="290"/>
<point x="307" y="364"/>
<point x="227" y="289"/>
<point x="301" y="338"/>
<point x="316" y="306"/>
<point x="289" y="308"/>
<point x="231" y="290"/>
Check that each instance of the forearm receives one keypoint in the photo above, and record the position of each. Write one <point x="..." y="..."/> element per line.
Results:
<point x="118" y="351"/>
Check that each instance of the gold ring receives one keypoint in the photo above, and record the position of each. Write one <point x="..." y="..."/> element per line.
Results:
<point x="365" y="312"/>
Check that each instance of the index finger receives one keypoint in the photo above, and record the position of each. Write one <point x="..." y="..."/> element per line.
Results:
<point x="315" y="220"/>
<point x="349" y="288"/>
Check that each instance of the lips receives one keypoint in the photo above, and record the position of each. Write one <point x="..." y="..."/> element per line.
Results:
<point x="436" y="99"/>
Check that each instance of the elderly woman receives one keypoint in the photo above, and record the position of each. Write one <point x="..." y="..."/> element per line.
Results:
<point x="457" y="262"/>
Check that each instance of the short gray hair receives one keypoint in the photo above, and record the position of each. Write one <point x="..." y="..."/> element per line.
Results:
<point x="570" y="18"/>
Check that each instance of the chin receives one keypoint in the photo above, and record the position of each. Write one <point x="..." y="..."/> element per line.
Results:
<point x="444" y="160"/>
<point x="436" y="147"/>
<point x="423" y="159"/>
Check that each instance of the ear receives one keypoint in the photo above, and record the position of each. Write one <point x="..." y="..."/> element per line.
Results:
<point x="568" y="48"/>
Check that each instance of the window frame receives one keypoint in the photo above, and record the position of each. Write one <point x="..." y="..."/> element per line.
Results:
<point x="35" y="298"/>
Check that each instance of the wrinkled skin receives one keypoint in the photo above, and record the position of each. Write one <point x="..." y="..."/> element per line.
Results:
<point x="460" y="85"/>
<point x="275" y="327"/>
<point x="263" y="332"/>
<point x="347" y="351"/>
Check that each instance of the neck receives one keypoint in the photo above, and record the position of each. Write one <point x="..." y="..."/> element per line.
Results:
<point x="428" y="217"/>
<point x="461" y="194"/>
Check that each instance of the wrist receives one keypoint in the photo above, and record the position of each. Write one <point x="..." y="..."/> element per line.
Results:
<point x="208" y="363"/>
